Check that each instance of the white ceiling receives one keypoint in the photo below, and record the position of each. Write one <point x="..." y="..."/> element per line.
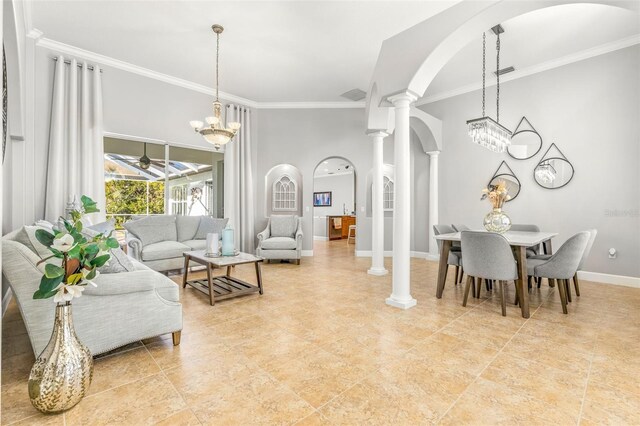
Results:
<point x="306" y="51"/>
<point x="333" y="167"/>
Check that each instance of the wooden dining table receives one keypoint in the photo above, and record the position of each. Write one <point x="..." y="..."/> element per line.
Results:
<point x="519" y="242"/>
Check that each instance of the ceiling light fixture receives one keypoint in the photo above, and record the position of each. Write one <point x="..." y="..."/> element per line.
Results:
<point x="545" y="172"/>
<point x="144" y="161"/>
<point x="216" y="132"/>
<point x="485" y="131"/>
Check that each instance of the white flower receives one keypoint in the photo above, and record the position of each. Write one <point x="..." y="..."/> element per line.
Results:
<point x="67" y="292"/>
<point x="63" y="243"/>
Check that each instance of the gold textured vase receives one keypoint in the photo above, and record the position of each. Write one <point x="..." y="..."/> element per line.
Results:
<point x="497" y="221"/>
<point x="61" y="375"/>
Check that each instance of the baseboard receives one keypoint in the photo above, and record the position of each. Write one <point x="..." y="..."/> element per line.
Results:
<point x="306" y="253"/>
<point x="389" y="253"/>
<point x="319" y="238"/>
<point x="6" y="300"/>
<point x="610" y="279"/>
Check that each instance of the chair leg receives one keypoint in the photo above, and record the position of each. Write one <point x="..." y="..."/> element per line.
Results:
<point x="517" y="295"/>
<point x="563" y="297"/>
<point x="552" y="283"/>
<point x="529" y="281"/>
<point x="466" y="290"/>
<point x="539" y="281"/>
<point x="176" y="337"/>
<point x="479" y="287"/>
<point x="567" y="289"/>
<point x="503" y="299"/>
<point x="576" y="284"/>
<point x="461" y="274"/>
<point x="457" y="273"/>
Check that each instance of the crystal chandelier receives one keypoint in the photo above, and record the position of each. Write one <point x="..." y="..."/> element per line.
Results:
<point x="216" y="132"/>
<point x="485" y="131"/>
<point x="545" y="172"/>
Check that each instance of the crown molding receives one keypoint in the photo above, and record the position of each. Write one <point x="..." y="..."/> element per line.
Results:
<point x="311" y="105"/>
<point x="538" y="68"/>
<point x="88" y="55"/>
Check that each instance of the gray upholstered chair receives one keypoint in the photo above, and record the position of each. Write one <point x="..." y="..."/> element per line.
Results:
<point x="281" y="239"/>
<point x="561" y="266"/>
<point x="488" y="256"/>
<point x="455" y="254"/>
<point x="519" y="227"/>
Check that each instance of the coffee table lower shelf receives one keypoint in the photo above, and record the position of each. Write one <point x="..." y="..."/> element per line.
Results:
<point x="224" y="287"/>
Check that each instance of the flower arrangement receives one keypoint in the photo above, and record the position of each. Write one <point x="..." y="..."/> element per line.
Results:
<point x="497" y="194"/>
<point x="80" y="257"/>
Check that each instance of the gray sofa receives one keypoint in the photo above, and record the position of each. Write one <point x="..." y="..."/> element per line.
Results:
<point x="159" y="241"/>
<point x="281" y="239"/>
<point x="125" y="307"/>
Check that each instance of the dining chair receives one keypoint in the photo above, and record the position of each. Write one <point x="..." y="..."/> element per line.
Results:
<point x="488" y="256"/>
<point x="460" y="228"/>
<point x="519" y="227"/>
<point x="561" y="266"/>
<point x="455" y="255"/>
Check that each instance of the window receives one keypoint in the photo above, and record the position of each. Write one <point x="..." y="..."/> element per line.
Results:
<point x="284" y="195"/>
<point x="388" y="193"/>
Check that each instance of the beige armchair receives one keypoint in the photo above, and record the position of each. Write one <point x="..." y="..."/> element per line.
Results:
<point x="281" y="239"/>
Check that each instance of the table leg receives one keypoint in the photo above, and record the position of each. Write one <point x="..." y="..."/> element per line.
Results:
<point x="186" y="271"/>
<point x="521" y="258"/>
<point x="228" y="271"/>
<point x="546" y="246"/>
<point x="259" y="276"/>
<point x="442" y="268"/>
<point x="210" y="282"/>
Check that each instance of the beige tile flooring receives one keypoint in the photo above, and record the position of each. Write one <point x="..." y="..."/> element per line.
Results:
<point x="321" y="347"/>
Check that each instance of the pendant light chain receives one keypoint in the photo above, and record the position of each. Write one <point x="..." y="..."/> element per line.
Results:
<point x="498" y="79"/>
<point x="217" y="56"/>
<point x="484" y="59"/>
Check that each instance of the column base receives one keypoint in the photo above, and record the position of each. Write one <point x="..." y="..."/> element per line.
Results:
<point x="377" y="271"/>
<point x="404" y="304"/>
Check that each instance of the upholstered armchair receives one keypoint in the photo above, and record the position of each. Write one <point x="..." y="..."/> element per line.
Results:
<point x="281" y="239"/>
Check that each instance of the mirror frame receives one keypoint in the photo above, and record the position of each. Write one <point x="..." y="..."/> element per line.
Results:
<point x="532" y="130"/>
<point x="562" y="157"/>
<point x="512" y="174"/>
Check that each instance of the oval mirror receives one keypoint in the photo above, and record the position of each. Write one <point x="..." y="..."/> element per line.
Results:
<point x="553" y="173"/>
<point x="524" y="144"/>
<point x="512" y="183"/>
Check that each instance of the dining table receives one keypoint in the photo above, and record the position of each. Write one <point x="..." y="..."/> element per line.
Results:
<point x="519" y="242"/>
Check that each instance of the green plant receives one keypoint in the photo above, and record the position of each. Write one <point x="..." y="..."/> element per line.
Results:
<point x="79" y="256"/>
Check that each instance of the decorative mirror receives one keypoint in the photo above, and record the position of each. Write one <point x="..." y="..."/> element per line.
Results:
<point x="553" y="171"/>
<point x="525" y="143"/>
<point x="509" y="177"/>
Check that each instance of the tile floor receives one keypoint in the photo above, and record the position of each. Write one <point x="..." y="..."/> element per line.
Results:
<point x="321" y="347"/>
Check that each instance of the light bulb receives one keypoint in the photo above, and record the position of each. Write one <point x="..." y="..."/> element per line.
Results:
<point x="234" y="125"/>
<point x="195" y="124"/>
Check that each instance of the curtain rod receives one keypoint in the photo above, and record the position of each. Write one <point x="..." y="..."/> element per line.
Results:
<point x="68" y="62"/>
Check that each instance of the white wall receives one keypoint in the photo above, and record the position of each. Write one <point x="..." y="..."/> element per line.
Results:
<point x="590" y="109"/>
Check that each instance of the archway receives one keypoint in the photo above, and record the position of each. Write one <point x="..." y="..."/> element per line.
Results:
<point x="334" y="203"/>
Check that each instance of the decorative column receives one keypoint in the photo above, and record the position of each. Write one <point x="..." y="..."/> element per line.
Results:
<point x="401" y="293"/>
<point x="377" y="206"/>
<point x="433" y="200"/>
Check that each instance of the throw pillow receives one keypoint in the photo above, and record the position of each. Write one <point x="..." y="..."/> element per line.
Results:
<point x="104" y="227"/>
<point x="284" y="226"/>
<point x="187" y="227"/>
<point x="35" y="246"/>
<point x="210" y="225"/>
<point x="119" y="261"/>
<point x="153" y="229"/>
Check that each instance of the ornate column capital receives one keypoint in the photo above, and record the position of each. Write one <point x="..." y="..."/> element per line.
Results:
<point x="377" y="133"/>
<point x="402" y="99"/>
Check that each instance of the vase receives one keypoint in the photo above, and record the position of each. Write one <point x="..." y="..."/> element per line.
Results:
<point x="62" y="373"/>
<point x="497" y="221"/>
<point x="228" y="245"/>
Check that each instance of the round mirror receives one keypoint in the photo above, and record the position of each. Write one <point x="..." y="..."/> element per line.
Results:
<point x="524" y="144"/>
<point x="553" y="173"/>
<point x="512" y="183"/>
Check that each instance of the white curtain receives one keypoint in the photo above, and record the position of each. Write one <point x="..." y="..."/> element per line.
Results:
<point x="76" y="152"/>
<point x="238" y="180"/>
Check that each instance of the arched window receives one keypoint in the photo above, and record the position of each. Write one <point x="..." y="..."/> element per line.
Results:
<point x="388" y="193"/>
<point x="284" y="195"/>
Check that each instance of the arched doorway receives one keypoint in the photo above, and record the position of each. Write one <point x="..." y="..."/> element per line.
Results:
<point x="334" y="205"/>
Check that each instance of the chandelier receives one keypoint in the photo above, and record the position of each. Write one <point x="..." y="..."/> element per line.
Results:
<point x="545" y="172"/>
<point x="216" y="131"/>
<point x="485" y="131"/>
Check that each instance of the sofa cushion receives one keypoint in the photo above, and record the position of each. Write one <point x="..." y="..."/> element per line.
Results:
<point x="284" y="225"/>
<point x="164" y="250"/>
<point x="119" y="261"/>
<point x="279" y="243"/>
<point x="187" y="226"/>
<point x="196" y="244"/>
<point x="153" y="229"/>
<point x="210" y="225"/>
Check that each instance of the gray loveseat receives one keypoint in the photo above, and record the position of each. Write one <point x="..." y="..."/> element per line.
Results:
<point x="159" y="241"/>
<point x="282" y="238"/>
<point x="125" y="307"/>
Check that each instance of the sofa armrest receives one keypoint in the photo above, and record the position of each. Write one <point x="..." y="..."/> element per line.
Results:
<point x="299" y="235"/>
<point x="126" y="283"/>
<point x="134" y="246"/>
<point x="264" y="234"/>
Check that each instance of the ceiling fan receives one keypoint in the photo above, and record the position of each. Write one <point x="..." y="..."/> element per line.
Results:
<point x="145" y="161"/>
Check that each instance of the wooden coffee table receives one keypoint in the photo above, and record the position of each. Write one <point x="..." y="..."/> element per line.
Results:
<point x="224" y="286"/>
